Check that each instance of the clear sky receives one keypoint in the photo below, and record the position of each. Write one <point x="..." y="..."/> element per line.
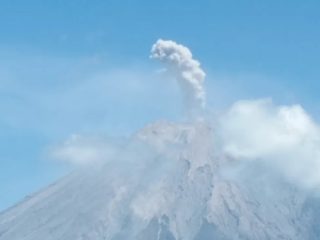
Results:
<point x="83" y="67"/>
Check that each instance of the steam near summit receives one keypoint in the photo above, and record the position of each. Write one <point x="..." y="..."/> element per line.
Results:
<point x="178" y="59"/>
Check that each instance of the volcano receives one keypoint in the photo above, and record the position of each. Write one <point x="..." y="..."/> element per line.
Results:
<point x="167" y="182"/>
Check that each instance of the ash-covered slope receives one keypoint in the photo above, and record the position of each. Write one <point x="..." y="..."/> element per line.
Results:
<point x="168" y="183"/>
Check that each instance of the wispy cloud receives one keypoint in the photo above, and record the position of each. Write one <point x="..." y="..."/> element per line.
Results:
<point x="84" y="151"/>
<point x="59" y="96"/>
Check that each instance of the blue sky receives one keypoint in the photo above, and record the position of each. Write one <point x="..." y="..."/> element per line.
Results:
<point x="83" y="67"/>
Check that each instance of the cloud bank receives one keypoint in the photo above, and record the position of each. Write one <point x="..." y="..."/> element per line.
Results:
<point x="186" y="70"/>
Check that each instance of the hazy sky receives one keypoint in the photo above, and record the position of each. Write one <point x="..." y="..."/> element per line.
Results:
<point x="83" y="67"/>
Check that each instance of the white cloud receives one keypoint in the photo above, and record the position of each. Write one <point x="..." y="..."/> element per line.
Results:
<point x="284" y="136"/>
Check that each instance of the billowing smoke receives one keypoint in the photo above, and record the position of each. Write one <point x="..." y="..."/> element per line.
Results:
<point x="186" y="70"/>
<point x="257" y="130"/>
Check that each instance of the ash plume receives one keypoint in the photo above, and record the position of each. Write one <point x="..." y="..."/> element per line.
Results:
<point x="179" y="60"/>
